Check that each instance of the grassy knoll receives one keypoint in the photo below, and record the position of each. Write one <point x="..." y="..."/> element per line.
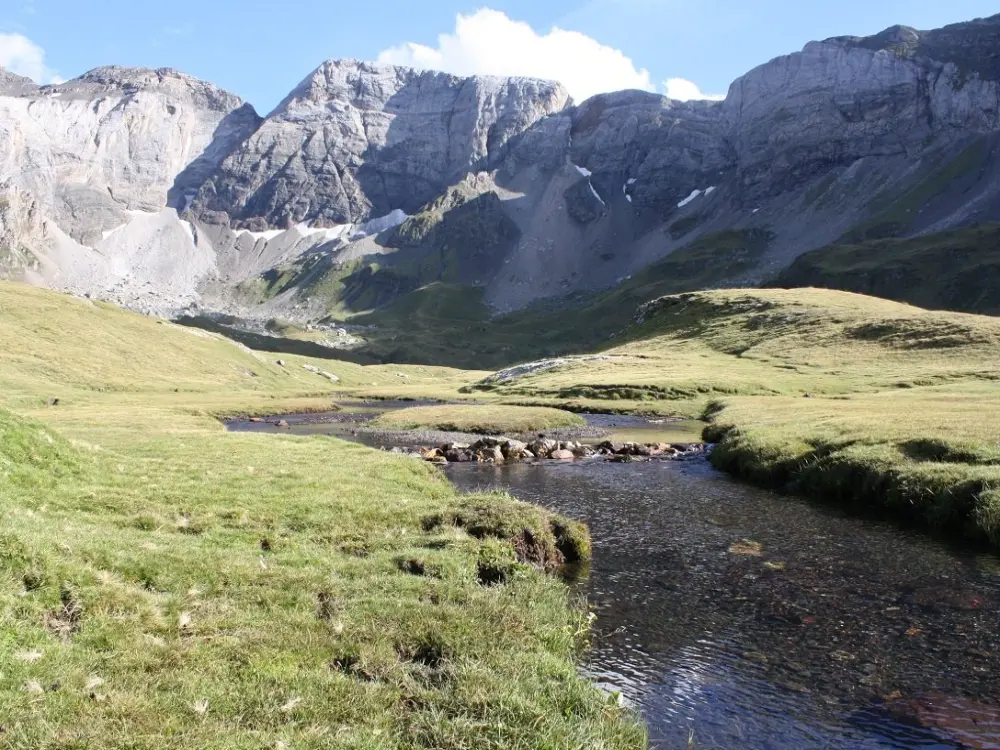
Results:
<point x="164" y="583"/>
<point x="493" y="419"/>
<point x="955" y="270"/>
<point x="867" y="402"/>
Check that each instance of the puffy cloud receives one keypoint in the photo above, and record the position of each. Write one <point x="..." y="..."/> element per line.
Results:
<point x="20" y="55"/>
<point x="489" y="43"/>
<point x="684" y="91"/>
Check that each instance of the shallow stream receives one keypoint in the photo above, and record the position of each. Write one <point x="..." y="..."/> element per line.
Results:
<point x="735" y="618"/>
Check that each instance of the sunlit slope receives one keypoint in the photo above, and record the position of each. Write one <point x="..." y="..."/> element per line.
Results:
<point x="85" y="353"/>
<point x="776" y="342"/>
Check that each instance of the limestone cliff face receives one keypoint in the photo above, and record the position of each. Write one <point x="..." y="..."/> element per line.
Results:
<point x="847" y="99"/>
<point x="356" y="140"/>
<point x="20" y="230"/>
<point x="114" y="140"/>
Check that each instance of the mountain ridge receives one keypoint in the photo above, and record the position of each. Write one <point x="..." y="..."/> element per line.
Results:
<point x="382" y="179"/>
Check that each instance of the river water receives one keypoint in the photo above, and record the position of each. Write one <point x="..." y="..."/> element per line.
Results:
<point x="736" y="618"/>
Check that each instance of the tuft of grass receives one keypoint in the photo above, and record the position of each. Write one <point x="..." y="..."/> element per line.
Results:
<point x="536" y="536"/>
<point x="32" y="454"/>
<point x="493" y="419"/>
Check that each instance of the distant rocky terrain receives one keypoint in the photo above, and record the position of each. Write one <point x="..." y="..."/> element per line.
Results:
<point x="369" y="182"/>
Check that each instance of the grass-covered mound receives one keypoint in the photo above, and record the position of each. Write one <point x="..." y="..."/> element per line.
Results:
<point x="161" y="578"/>
<point x="926" y="455"/>
<point x="31" y="453"/>
<point x="492" y="419"/>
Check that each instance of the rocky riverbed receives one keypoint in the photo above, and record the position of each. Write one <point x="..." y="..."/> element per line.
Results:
<point x="491" y="450"/>
<point x="607" y="437"/>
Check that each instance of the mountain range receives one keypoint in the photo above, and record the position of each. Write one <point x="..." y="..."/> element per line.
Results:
<point x="858" y="162"/>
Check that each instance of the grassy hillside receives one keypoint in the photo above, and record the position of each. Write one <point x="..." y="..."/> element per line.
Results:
<point x="704" y="345"/>
<point x="163" y="581"/>
<point x="868" y="402"/>
<point x="957" y="270"/>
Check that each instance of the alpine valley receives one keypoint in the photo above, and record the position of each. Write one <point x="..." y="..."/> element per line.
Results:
<point x="375" y="195"/>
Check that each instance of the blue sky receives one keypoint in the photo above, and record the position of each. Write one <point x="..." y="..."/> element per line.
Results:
<point x="260" y="49"/>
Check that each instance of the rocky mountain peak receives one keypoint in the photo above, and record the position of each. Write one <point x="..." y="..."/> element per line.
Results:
<point x="12" y="84"/>
<point x="153" y="175"/>
<point x="117" y="80"/>
<point x="971" y="46"/>
<point x="368" y="85"/>
<point x="121" y="76"/>
<point x="357" y="140"/>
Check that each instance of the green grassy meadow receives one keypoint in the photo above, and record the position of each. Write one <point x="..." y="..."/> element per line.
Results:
<point x="164" y="583"/>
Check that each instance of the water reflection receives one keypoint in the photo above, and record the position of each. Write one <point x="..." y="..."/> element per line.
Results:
<point x="755" y="621"/>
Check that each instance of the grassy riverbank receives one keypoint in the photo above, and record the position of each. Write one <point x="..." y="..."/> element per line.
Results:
<point x="163" y="581"/>
<point x="870" y="403"/>
<point x="483" y="419"/>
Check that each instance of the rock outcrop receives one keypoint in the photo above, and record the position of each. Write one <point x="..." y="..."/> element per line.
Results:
<point x="844" y="100"/>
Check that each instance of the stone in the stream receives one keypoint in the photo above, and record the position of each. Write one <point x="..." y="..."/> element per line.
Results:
<point x="488" y="442"/>
<point x="543" y="447"/>
<point x="624" y="458"/>
<point x="432" y="455"/>
<point x="513" y="450"/>
<point x="494" y="454"/>
<point x="282" y="424"/>
<point x="746" y="548"/>
<point x="562" y="455"/>
<point x="609" y="446"/>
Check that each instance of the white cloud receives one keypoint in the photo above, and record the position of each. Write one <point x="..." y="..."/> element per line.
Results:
<point x="684" y="91"/>
<point x="20" y="55"/>
<point x="489" y="43"/>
